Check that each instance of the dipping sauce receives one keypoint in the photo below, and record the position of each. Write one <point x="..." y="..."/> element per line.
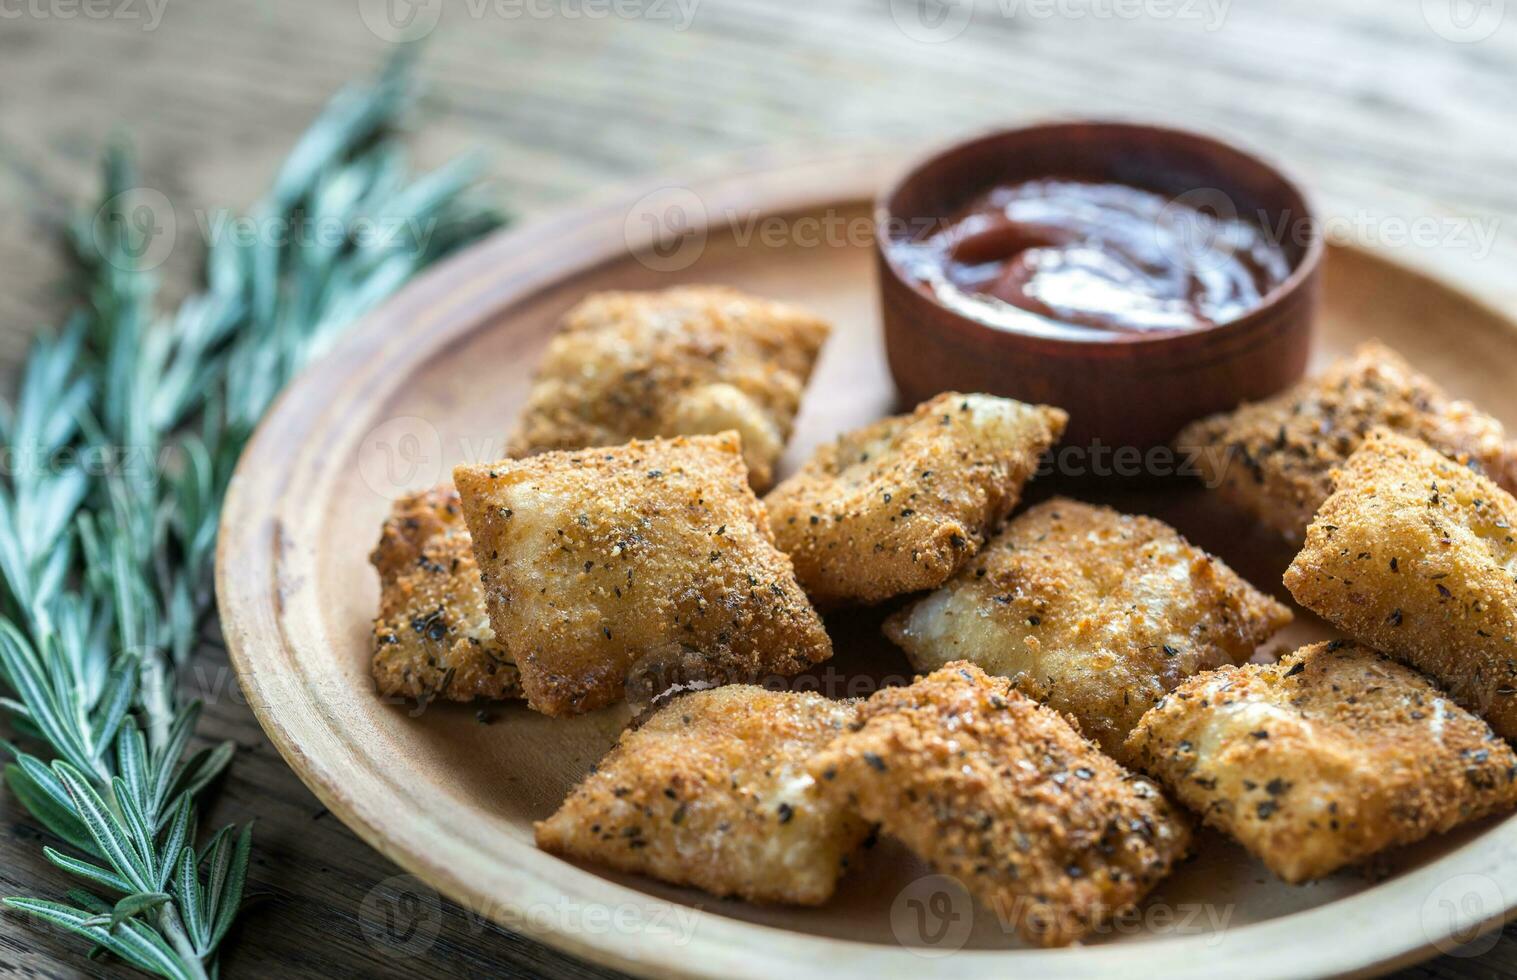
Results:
<point x="1082" y="260"/>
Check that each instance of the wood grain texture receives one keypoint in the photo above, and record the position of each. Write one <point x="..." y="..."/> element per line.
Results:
<point x="1363" y="100"/>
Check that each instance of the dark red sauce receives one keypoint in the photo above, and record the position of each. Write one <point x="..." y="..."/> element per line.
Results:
<point x="1086" y="260"/>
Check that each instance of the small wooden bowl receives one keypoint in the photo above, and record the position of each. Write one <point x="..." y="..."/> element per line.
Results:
<point x="1133" y="391"/>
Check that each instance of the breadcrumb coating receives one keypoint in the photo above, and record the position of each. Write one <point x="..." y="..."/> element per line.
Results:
<point x="1415" y="555"/>
<point x="1097" y="613"/>
<point x="1003" y="793"/>
<point x="1274" y="459"/>
<point x="693" y="360"/>
<point x="638" y="566"/>
<point x="900" y="505"/>
<point x="712" y="791"/>
<point x="1326" y="758"/>
<point x="432" y="637"/>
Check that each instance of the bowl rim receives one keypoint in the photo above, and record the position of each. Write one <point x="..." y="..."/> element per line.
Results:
<point x="1286" y="292"/>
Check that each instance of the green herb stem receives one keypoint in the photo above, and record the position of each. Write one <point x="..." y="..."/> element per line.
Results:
<point x="106" y="569"/>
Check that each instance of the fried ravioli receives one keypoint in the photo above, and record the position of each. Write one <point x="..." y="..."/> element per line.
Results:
<point x="1415" y="555"/>
<point x="1274" y="459"/>
<point x="641" y="565"/>
<point x="1005" y="794"/>
<point x="1097" y="613"/>
<point x="693" y="360"/>
<point x="1326" y="758"/>
<point x="432" y="638"/>
<point x="902" y="504"/>
<point x="712" y="791"/>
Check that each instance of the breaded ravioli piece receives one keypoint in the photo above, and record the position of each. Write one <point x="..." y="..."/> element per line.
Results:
<point x="647" y="565"/>
<point x="712" y="791"/>
<point x="1004" y="794"/>
<point x="1095" y="612"/>
<point x="1274" y="459"/>
<point x="1415" y="555"/>
<point x="693" y="360"/>
<point x="432" y="637"/>
<point x="1326" y="758"/>
<point x="900" y="505"/>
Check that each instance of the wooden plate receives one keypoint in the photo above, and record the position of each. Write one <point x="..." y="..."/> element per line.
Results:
<point x="436" y="376"/>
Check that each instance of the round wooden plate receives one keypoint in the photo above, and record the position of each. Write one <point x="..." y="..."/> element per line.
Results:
<point x="435" y="377"/>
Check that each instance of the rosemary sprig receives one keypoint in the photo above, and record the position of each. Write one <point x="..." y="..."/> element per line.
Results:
<point x="123" y="437"/>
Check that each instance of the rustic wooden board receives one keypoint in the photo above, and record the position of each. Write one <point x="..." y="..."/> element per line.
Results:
<point x="1359" y="98"/>
<point x="435" y="377"/>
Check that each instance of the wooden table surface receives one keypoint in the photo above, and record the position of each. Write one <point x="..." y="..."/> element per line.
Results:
<point x="1411" y="105"/>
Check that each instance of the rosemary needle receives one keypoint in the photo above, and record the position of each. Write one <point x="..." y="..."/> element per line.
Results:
<point x="122" y="440"/>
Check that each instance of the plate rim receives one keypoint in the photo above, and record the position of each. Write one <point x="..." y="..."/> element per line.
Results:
<point x="253" y="585"/>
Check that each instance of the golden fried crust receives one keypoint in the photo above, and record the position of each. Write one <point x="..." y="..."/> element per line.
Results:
<point x="432" y="637"/>
<point x="1415" y="555"/>
<point x="900" y="505"/>
<point x="1005" y="794"/>
<point x="712" y="791"/>
<point x="644" y="564"/>
<point x="415" y="520"/>
<point x="1325" y="758"/>
<point x="1095" y="612"/>
<point x="1274" y="459"/>
<point x="694" y="360"/>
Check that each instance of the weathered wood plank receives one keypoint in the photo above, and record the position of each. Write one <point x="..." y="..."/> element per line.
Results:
<point x="1355" y="96"/>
